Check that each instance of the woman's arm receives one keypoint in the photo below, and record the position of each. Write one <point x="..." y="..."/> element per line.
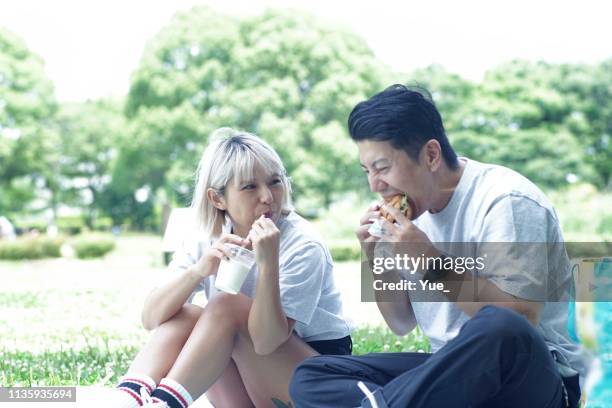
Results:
<point x="165" y="301"/>
<point x="268" y="325"/>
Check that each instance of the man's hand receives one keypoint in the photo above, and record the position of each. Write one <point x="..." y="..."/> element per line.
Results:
<point x="372" y="213"/>
<point x="407" y="238"/>
<point x="365" y="239"/>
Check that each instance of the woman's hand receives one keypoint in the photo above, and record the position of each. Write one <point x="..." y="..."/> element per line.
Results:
<point x="208" y="264"/>
<point x="265" y="238"/>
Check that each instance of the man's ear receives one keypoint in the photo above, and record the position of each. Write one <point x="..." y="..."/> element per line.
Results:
<point x="216" y="199"/>
<point x="433" y="154"/>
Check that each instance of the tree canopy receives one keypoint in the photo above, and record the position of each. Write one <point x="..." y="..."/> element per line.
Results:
<point x="27" y="105"/>
<point x="284" y="76"/>
<point x="292" y="80"/>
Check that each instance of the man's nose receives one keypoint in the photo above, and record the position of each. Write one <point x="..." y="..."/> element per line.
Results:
<point x="376" y="184"/>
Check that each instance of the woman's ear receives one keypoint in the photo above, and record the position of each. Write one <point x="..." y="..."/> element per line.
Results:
<point x="216" y="199"/>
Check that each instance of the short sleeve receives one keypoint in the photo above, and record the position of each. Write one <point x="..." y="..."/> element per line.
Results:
<point x="518" y="246"/>
<point x="301" y="279"/>
<point x="182" y="259"/>
<point x="186" y="255"/>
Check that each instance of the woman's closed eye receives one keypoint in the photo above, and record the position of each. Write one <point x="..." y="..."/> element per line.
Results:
<point x="248" y="187"/>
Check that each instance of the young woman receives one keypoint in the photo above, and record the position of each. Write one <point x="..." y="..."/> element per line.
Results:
<point x="241" y="349"/>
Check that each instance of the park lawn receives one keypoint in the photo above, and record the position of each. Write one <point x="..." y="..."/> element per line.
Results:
<point x="77" y="322"/>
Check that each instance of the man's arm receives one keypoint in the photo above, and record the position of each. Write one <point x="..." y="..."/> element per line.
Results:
<point x="464" y="290"/>
<point x="395" y="307"/>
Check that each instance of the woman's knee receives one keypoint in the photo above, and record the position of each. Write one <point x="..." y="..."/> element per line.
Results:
<point x="174" y="332"/>
<point x="225" y="311"/>
<point x="189" y="314"/>
<point x="183" y="321"/>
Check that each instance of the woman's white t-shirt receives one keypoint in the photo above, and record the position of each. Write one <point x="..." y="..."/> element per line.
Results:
<point x="307" y="290"/>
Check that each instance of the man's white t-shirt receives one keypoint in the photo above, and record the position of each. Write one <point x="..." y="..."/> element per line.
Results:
<point x="307" y="289"/>
<point x="494" y="204"/>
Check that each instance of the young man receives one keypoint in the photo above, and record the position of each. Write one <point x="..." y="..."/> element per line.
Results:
<point x="497" y="339"/>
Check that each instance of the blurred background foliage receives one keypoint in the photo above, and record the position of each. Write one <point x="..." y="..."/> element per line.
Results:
<point x="293" y="80"/>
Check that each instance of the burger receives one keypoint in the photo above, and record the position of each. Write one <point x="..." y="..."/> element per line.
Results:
<point x="399" y="202"/>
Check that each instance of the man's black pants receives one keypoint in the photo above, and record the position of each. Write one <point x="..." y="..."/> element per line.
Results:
<point x="498" y="359"/>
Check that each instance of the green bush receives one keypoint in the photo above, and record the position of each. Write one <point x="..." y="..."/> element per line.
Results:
<point x="345" y="250"/>
<point x="103" y="224"/>
<point x="70" y="224"/>
<point x="605" y="224"/>
<point x="92" y="245"/>
<point x="588" y="249"/>
<point x="341" y="219"/>
<point x="30" y="248"/>
<point x="31" y="224"/>
<point x="584" y="210"/>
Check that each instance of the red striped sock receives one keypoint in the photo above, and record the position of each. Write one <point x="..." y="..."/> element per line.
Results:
<point x="130" y="385"/>
<point x="172" y="393"/>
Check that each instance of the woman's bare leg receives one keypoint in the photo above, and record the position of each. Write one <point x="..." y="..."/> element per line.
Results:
<point x="220" y="335"/>
<point x="157" y="357"/>
<point x="208" y="350"/>
<point x="267" y="377"/>
<point x="228" y="391"/>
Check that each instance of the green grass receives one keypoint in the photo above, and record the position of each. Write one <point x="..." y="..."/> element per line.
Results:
<point x="104" y="360"/>
<point x="83" y="337"/>
<point x="77" y="322"/>
<point x="21" y="300"/>
<point x="88" y="366"/>
<point x="378" y="340"/>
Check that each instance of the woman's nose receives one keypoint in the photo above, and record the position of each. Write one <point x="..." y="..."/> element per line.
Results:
<point x="265" y="195"/>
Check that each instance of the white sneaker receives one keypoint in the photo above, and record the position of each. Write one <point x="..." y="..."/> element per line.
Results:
<point x="147" y="402"/>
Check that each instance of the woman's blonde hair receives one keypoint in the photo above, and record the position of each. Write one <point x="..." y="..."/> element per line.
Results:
<point x="231" y="156"/>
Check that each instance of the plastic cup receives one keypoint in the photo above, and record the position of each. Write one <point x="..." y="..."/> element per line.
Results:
<point x="232" y="274"/>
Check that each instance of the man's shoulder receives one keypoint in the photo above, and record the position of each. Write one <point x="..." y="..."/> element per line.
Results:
<point x="492" y="183"/>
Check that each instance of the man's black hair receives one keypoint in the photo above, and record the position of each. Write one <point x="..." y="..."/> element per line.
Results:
<point x="406" y="117"/>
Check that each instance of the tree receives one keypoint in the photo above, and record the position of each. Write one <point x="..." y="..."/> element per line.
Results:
<point x="158" y="152"/>
<point x="90" y="133"/>
<point x="452" y="94"/>
<point x="27" y="106"/>
<point x="282" y="75"/>
<point x="519" y="118"/>
<point x="588" y="88"/>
